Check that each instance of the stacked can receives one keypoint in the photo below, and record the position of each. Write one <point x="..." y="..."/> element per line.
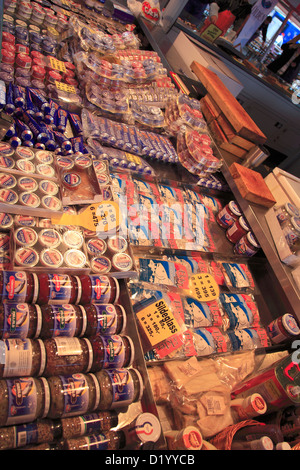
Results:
<point x="238" y="230"/>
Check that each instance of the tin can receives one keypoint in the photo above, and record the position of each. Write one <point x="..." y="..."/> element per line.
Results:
<point x="283" y="328"/>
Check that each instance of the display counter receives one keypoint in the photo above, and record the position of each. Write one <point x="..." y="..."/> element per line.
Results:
<point x="269" y="106"/>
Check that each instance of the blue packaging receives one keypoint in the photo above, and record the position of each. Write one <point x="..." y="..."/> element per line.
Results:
<point x="9" y="106"/>
<point x="40" y="100"/>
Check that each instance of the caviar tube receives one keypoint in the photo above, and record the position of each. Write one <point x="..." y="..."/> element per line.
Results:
<point x="51" y="143"/>
<point x="39" y="131"/>
<point x="76" y="124"/>
<point x="9" y="106"/>
<point x="40" y="146"/>
<point x="38" y="115"/>
<point x="2" y="94"/>
<point x="23" y="131"/>
<point x="62" y="141"/>
<point x="50" y="118"/>
<point x="40" y="101"/>
<point x="29" y="107"/>
<point x="19" y="94"/>
<point x="11" y="131"/>
<point x="15" y="141"/>
<point x="78" y="145"/>
<point x="61" y="120"/>
<point x="27" y="143"/>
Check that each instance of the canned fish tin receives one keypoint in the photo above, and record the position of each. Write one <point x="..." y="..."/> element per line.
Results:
<point x="229" y="214"/>
<point x="6" y="220"/>
<point x="26" y="257"/>
<point x="117" y="244"/>
<point x="96" y="246"/>
<point x="7" y="181"/>
<point x="26" y="183"/>
<point x="100" y="264"/>
<point x="283" y="328"/>
<point x="51" y="258"/>
<point x="25" y="236"/>
<point x="49" y="238"/>
<point x="29" y="199"/>
<point x="8" y="196"/>
<point x="247" y="245"/>
<point x="122" y="262"/>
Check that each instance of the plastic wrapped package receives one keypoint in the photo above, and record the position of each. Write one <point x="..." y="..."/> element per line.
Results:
<point x="184" y="111"/>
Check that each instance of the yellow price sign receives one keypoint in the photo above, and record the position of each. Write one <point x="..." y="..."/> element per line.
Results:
<point x="204" y="287"/>
<point x="65" y="87"/>
<point x="158" y="322"/>
<point x="103" y="217"/>
<point x="57" y="64"/>
<point x="211" y="33"/>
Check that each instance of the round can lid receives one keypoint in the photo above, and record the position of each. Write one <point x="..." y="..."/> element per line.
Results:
<point x="23" y="60"/>
<point x="292" y="209"/>
<point x="8" y="196"/>
<point x="290" y="324"/>
<point x="122" y="261"/>
<point x="117" y="244"/>
<point x="48" y="187"/>
<point x="30" y="199"/>
<point x="6" y="149"/>
<point x="24" y="153"/>
<point x="26" y="236"/>
<point x="6" y="162"/>
<point x="147" y="428"/>
<point x="50" y="237"/>
<point x="65" y="162"/>
<point x="26" y="256"/>
<point x="71" y="180"/>
<point x="96" y="246"/>
<point x="234" y="208"/>
<point x="75" y="258"/>
<point x="27" y="183"/>
<point x="7" y="181"/>
<point x="52" y="203"/>
<point x="101" y="264"/>
<point x="295" y="221"/>
<point x="52" y="258"/>
<point x="73" y="238"/>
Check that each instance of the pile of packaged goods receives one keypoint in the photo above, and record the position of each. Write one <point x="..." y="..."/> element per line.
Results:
<point x="85" y="112"/>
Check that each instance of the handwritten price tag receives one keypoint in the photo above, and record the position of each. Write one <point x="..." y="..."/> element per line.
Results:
<point x="103" y="217"/>
<point x="65" y="87"/>
<point x="157" y="322"/>
<point x="204" y="287"/>
<point x="57" y="64"/>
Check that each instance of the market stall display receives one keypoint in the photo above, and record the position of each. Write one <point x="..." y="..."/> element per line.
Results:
<point x="92" y="236"/>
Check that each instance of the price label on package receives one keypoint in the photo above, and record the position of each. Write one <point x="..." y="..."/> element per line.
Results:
<point x="65" y="87"/>
<point x="158" y="322"/>
<point x="57" y="65"/>
<point x="204" y="287"/>
<point x="103" y="217"/>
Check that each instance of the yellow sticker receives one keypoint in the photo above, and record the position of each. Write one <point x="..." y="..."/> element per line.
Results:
<point x="65" y="87"/>
<point x="57" y="64"/>
<point x="204" y="287"/>
<point x="211" y="33"/>
<point x="157" y="322"/>
<point x="102" y="217"/>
